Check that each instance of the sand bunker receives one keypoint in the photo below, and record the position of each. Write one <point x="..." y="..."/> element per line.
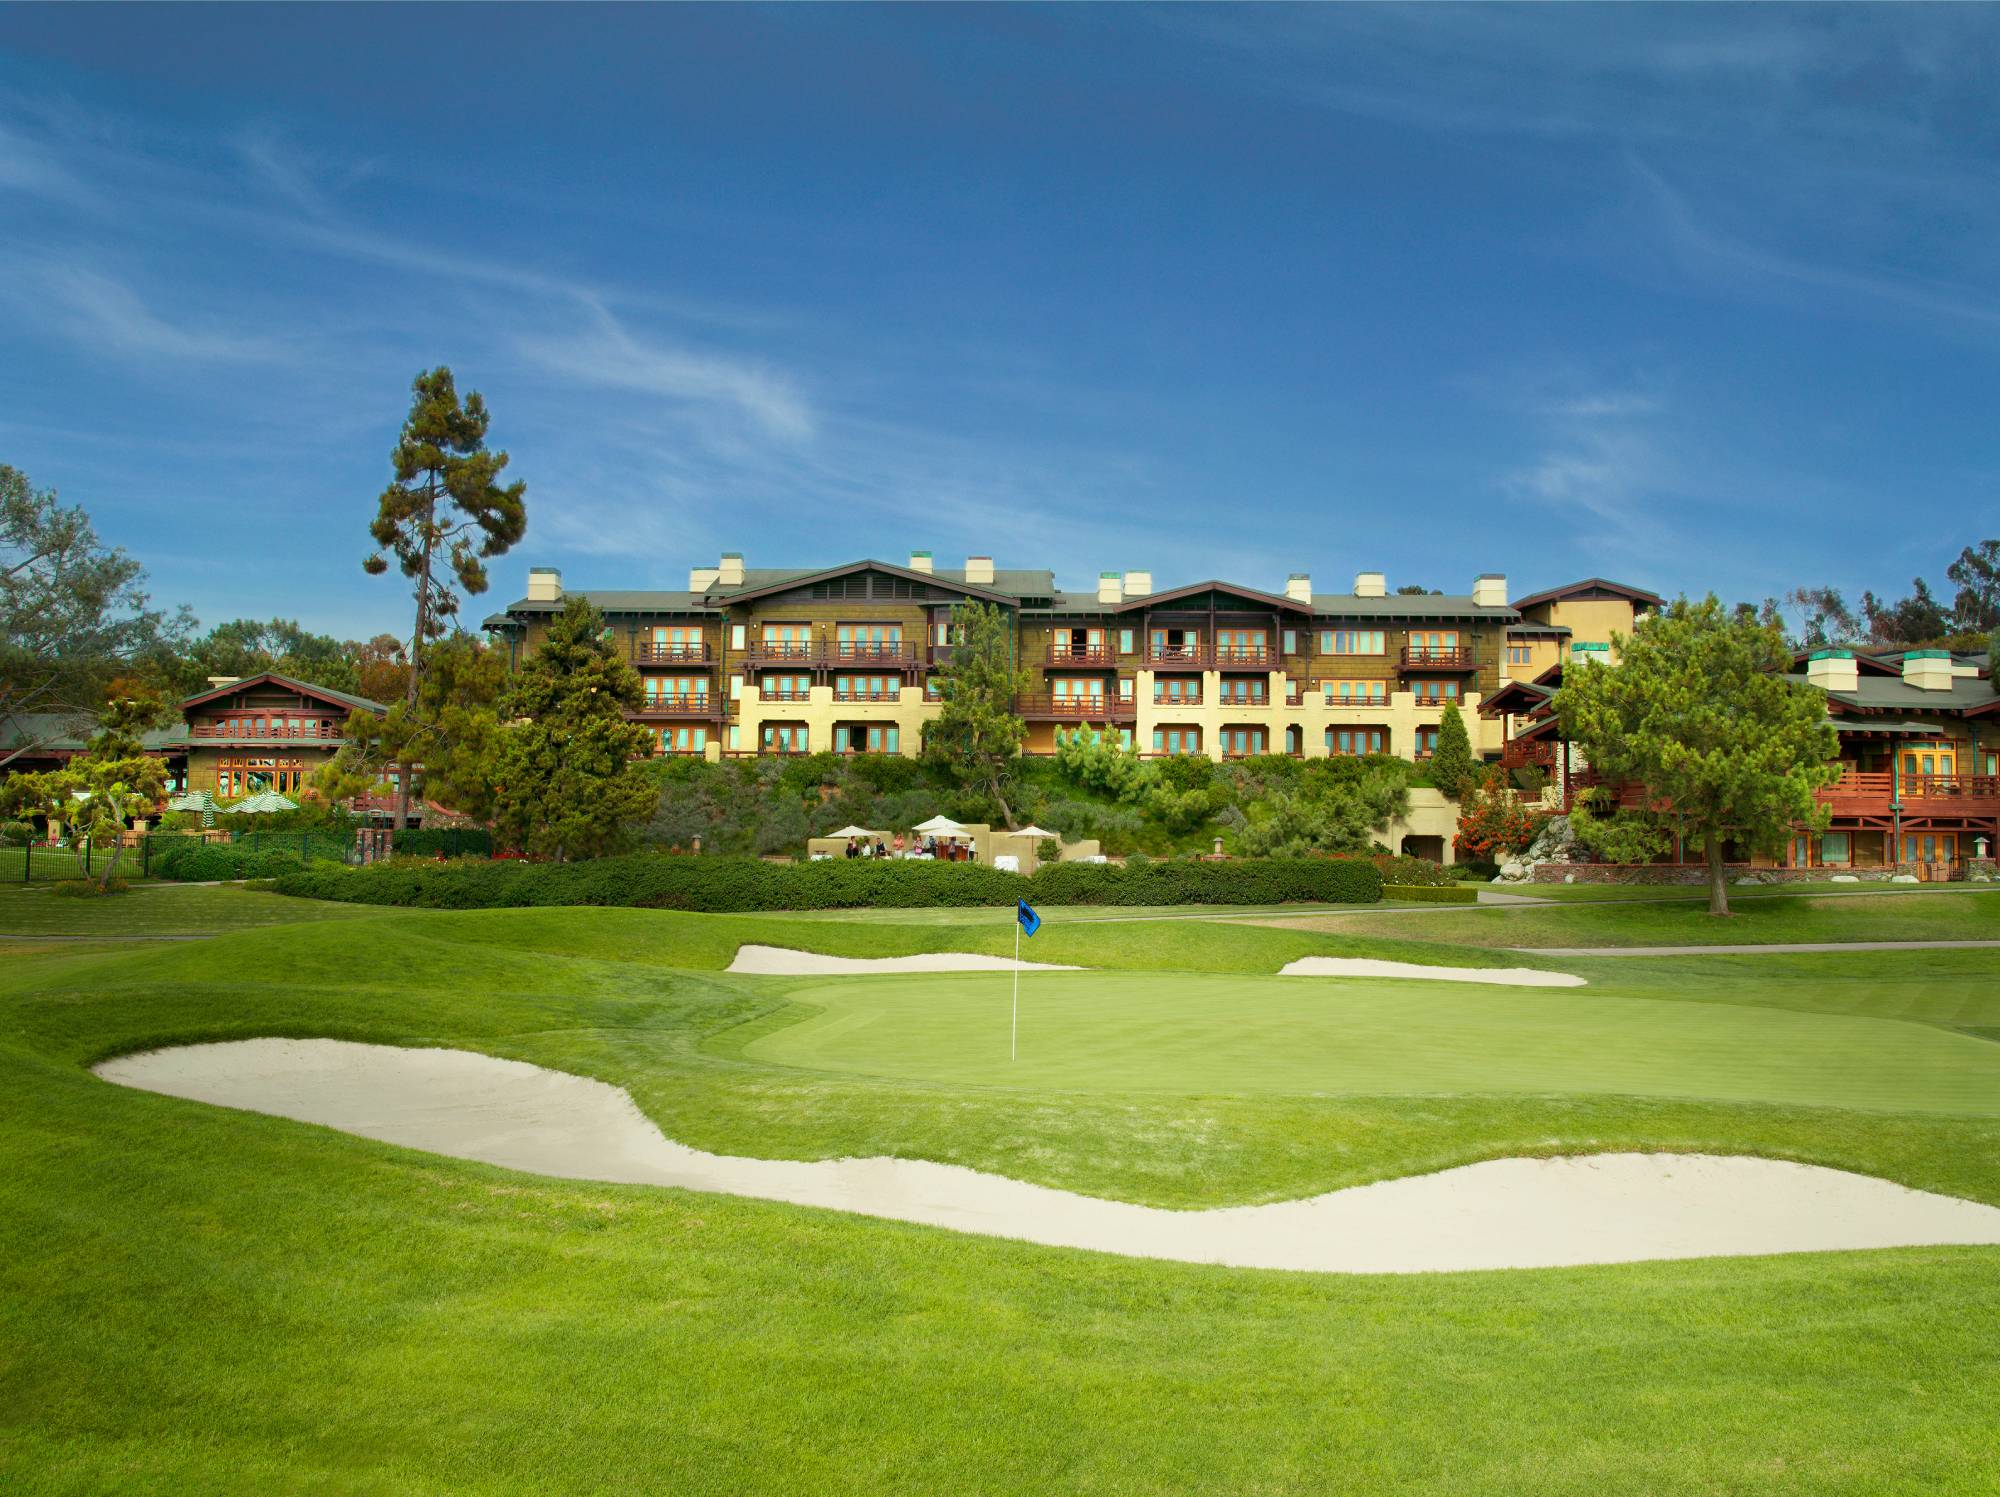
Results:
<point x="1509" y="1213"/>
<point x="781" y="961"/>
<point x="1361" y="966"/>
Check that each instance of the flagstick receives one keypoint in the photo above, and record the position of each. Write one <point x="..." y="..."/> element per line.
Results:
<point x="1014" y="1030"/>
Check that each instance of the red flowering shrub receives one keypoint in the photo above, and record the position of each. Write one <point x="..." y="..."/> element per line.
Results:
<point x="1493" y="822"/>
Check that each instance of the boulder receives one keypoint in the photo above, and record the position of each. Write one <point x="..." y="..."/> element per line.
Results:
<point x="1843" y="878"/>
<point x="1512" y="870"/>
<point x="1905" y="878"/>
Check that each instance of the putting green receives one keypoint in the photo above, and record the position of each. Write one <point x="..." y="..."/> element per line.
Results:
<point x="1195" y="1034"/>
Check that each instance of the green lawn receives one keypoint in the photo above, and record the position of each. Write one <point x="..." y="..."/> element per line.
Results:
<point x="196" y="1299"/>
<point x="159" y="909"/>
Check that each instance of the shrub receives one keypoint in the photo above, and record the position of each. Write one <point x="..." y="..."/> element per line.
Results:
<point x="86" y="888"/>
<point x="1493" y="822"/>
<point x="728" y="884"/>
<point x="453" y="842"/>
<point x="191" y="860"/>
<point x="16" y="834"/>
<point x="1408" y="871"/>
<point x="1452" y="893"/>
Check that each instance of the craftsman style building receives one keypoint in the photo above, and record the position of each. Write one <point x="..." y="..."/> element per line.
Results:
<point x="749" y="661"/>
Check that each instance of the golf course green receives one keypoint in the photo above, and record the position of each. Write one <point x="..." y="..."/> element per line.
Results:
<point x="199" y="1299"/>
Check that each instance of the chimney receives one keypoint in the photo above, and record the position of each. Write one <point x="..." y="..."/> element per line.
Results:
<point x="920" y="561"/>
<point x="1927" y="670"/>
<point x="1110" y="587"/>
<point x="1299" y="588"/>
<point x="1138" y="584"/>
<point x="701" y="579"/>
<point x="1833" y="670"/>
<point x="544" y="585"/>
<point x="1371" y="585"/>
<point x="730" y="573"/>
<point x="216" y="683"/>
<point x="1489" y="590"/>
<point x="979" y="571"/>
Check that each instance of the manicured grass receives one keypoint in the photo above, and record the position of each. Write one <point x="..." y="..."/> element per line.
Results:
<point x="1886" y="917"/>
<point x="1126" y="1032"/>
<point x="197" y="1299"/>
<point x="160" y="909"/>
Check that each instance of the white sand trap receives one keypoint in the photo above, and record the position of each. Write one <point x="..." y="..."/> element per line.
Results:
<point x="1510" y="1213"/>
<point x="782" y="961"/>
<point x="1362" y="966"/>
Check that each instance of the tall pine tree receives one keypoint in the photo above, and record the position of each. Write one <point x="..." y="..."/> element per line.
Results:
<point x="443" y="515"/>
<point x="1452" y="765"/>
<point x="976" y="734"/>
<point x="566" y="783"/>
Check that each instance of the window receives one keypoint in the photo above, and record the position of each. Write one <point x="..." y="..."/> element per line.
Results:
<point x="1125" y="641"/>
<point x="683" y="740"/>
<point x="245" y="776"/>
<point x="1427" y="742"/>
<point x="674" y="642"/>
<point x="1434" y="693"/>
<point x="786" y="688"/>
<point x="868" y="641"/>
<point x="1834" y="847"/>
<point x="1125" y="691"/>
<point x="1351" y="642"/>
<point x="1433" y="639"/>
<point x="1520" y="654"/>
<point x="867" y="689"/>
<point x="1346" y="742"/>
<point x="736" y="633"/>
<point x="1243" y="691"/>
<point x="1078" y="689"/>
<point x="1240" y="742"/>
<point x="676" y="691"/>
<point x="1176" y="644"/>
<point x="865" y="738"/>
<point x="788" y="641"/>
<point x="1185" y="689"/>
<point x="1240" y="645"/>
<point x="784" y="738"/>
<point x="1077" y="644"/>
<point x="1177" y="740"/>
<point x="1291" y="641"/>
<point x="1355" y="693"/>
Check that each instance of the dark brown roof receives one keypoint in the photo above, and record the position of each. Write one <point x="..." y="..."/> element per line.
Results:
<point x="1588" y="587"/>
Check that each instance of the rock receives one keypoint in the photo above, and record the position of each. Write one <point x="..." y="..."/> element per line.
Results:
<point x="1512" y="870"/>
<point x="1569" y="878"/>
<point x="1843" y="878"/>
<point x="1905" y="878"/>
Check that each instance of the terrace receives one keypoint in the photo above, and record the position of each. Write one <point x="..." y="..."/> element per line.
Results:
<point x="1047" y="707"/>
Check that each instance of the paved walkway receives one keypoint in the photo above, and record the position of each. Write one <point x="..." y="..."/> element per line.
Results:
<point x="1757" y="950"/>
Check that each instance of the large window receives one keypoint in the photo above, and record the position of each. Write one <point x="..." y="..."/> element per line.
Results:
<point x="1078" y="688"/>
<point x="1247" y="645"/>
<point x="243" y="776"/>
<point x="1427" y="742"/>
<point x="865" y="738"/>
<point x="1351" y="642"/>
<point x="1177" y="740"/>
<point x="675" y="642"/>
<point x="867" y="688"/>
<point x="784" y="738"/>
<point x="1434" y="693"/>
<point x="1177" y="644"/>
<point x="1184" y="689"/>
<point x="1355" y="693"/>
<point x="1244" y="691"/>
<point x="1348" y="742"/>
<point x="785" y="688"/>
<point x="1239" y="743"/>
<point x="788" y="641"/>
<point x="868" y="641"/>
<point x="1433" y="639"/>
<point x="1520" y="654"/>
<point x="682" y="740"/>
<point x="676" y="691"/>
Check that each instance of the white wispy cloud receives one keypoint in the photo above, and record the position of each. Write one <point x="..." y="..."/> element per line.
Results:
<point x="101" y="311"/>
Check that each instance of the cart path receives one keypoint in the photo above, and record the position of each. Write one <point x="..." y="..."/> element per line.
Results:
<point x="1755" y="950"/>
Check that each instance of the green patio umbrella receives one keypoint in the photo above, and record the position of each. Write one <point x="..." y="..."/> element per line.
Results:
<point x="195" y="800"/>
<point x="263" y="800"/>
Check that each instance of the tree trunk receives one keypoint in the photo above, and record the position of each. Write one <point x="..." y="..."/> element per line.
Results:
<point x="1718" y="885"/>
<point x="111" y="866"/>
<point x="1006" y="815"/>
<point x="417" y="646"/>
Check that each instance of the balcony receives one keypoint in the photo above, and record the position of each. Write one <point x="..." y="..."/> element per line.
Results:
<point x="780" y="652"/>
<point x="1046" y="707"/>
<point x="1183" y="656"/>
<point x="871" y="652"/>
<point x="1438" y="658"/>
<point x="692" y="704"/>
<point x="311" y="730"/>
<point x="826" y="655"/>
<point x="1185" y="699"/>
<point x="1245" y="657"/>
<point x="1520" y="752"/>
<point x="869" y="696"/>
<point x="1092" y="657"/>
<point x="691" y="652"/>
<point x="784" y="694"/>
<point x="1873" y="793"/>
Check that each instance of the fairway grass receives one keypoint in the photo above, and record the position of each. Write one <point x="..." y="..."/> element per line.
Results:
<point x="195" y="1299"/>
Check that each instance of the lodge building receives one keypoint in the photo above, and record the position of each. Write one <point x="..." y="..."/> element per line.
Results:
<point x="845" y="659"/>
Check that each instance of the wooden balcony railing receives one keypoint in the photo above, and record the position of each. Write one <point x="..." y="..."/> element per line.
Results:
<point x="1239" y="657"/>
<point x="868" y="696"/>
<point x="1185" y="699"/>
<point x="1863" y="793"/>
<point x="1438" y="658"/>
<point x="692" y="652"/>
<point x="784" y="694"/>
<point x="1256" y="700"/>
<point x="1524" y="751"/>
<point x="1178" y="655"/>
<point x="1047" y="706"/>
<point x="689" y="704"/>
<point x="315" y="730"/>
<point x="1096" y="657"/>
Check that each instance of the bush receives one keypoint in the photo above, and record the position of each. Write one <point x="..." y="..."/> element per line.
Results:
<point x="16" y="834"/>
<point x="1432" y="893"/>
<point x="1408" y="871"/>
<point x="86" y="888"/>
<point x="191" y="860"/>
<point x="453" y="842"/>
<point x="730" y="884"/>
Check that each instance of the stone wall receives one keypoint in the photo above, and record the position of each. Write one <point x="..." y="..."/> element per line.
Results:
<point x="1696" y="873"/>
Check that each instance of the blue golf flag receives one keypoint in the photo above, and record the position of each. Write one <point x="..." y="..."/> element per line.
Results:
<point x="1025" y="913"/>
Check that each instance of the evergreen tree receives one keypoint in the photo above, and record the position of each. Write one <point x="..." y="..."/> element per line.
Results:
<point x="1701" y="714"/>
<point x="976" y="736"/>
<point x="565" y="779"/>
<point x="97" y="792"/>
<point x="443" y="516"/>
<point x="450" y="734"/>
<point x="1452" y="764"/>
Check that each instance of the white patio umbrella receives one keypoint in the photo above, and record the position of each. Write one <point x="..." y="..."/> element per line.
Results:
<point x="941" y="826"/>
<point x="854" y="831"/>
<point x="1035" y="831"/>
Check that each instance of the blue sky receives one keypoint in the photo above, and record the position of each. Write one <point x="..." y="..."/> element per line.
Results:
<point x="1695" y="298"/>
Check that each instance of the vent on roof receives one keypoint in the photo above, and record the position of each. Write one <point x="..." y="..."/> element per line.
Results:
<point x="868" y="585"/>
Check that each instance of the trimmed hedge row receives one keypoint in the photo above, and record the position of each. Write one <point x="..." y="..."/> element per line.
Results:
<point x="730" y="884"/>
<point x="1432" y="893"/>
<point x="195" y="861"/>
<point x="452" y="841"/>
